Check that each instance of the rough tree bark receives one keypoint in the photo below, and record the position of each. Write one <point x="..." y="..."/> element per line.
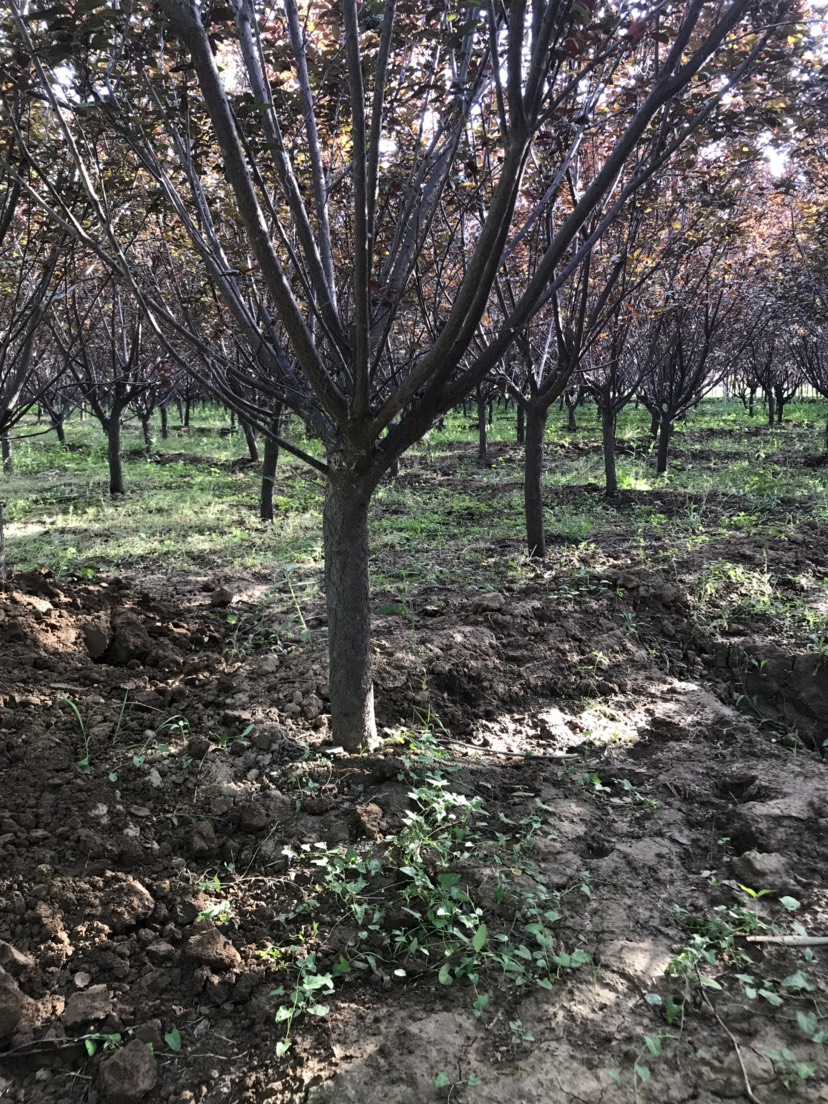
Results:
<point x="271" y="459"/>
<point x="665" y="434"/>
<point x="345" y="530"/>
<point x="608" y="438"/>
<point x="533" y="480"/>
<point x="482" y="430"/>
<point x="113" y="454"/>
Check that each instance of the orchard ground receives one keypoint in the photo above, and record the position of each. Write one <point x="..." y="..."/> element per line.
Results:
<point x="602" y="777"/>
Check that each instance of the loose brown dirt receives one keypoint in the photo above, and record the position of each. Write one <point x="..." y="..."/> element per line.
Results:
<point x="674" y="761"/>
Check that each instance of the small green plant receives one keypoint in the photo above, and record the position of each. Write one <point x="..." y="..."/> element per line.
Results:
<point x="85" y="763"/>
<point x="302" y="996"/>
<point x="98" y="1040"/>
<point x="791" y="1071"/>
<point x="443" y="1081"/>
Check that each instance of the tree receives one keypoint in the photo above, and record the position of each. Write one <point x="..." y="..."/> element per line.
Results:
<point x="347" y="136"/>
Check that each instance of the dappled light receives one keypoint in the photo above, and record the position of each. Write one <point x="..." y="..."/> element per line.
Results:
<point x="413" y="527"/>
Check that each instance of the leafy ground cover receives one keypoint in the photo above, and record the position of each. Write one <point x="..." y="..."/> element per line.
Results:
<point x="587" y="863"/>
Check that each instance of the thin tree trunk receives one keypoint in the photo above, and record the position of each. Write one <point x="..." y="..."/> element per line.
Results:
<point x="655" y="422"/>
<point x="188" y="406"/>
<point x="608" y="437"/>
<point x="7" y="455"/>
<point x="664" y="434"/>
<point x="113" y="455"/>
<point x="533" y="481"/>
<point x="771" y="408"/>
<point x="180" y="407"/>
<point x="750" y="405"/>
<point x="491" y="412"/>
<point x="521" y="424"/>
<point x="252" y="444"/>
<point x="146" y="430"/>
<point x="345" y="529"/>
<point x="165" y="421"/>
<point x="271" y="459"/>
<point x="571" y="425"/>
<point x="482" y="430"/>
<point x="3" y="574"/>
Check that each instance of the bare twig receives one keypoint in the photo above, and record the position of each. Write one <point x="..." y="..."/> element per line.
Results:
<point x="749" y="1093"/>
<point x="790" y="940"/>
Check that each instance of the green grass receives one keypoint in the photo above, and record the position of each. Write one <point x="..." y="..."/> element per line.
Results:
<point x="447" y="521"/>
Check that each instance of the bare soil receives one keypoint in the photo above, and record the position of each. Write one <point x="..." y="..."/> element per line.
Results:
<point x="667" y="755"/>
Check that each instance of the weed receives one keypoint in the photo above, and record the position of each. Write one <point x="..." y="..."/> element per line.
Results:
<point x="85" y="762"/>
<point x="420" y="880"/>
<point x="791" y="1071"/>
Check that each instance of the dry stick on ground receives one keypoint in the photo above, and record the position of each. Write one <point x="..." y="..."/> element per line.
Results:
<point x="791" y="940"/>
<point x="749" y="1093"/>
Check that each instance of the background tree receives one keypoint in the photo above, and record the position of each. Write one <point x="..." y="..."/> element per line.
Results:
<point x="335" y="211"/>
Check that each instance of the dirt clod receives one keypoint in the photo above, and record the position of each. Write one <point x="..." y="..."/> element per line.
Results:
<point x="759" y="870"/>
<point x="214" y="949"/>
<point x="11" y="1005"/>
<point x="129" y="1075"/>
<point x="88" y="1007"/>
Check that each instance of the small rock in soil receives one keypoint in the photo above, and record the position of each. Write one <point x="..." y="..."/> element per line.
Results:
<point x="759" y="870"/>
<point x="129" y="1075"/>
<point x="15" y="961"/>
<point x="160" y="952"/>
<point x="88" y="1007"/>
<point x="203" y="840"/>
<point x="198" y="746"/>
<point x="489" y="603"/>
<point x="214" y="949"/>
<point x="222" y="597"/>
<point x="253" y="818"/>
<point x="134" y="904"/>
<point x="130" y="638"/>
<point x="369" y="820"/>
<point x="11" y="1005"/>
<point x="96" y="641"/>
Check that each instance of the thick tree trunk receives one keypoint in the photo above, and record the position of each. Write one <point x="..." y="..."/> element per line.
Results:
<point x="533" y="480"/>
<point x="608" y="437"/>
<point x="113" y="455"/>
<point x="482" y="431"/>
<point x="345" y="528"/>
<point x="571" y="424"/>
<point x="664" y="435"/>
<point x="655" y="422"/>
<point x="271" y="459"/>
<point x="521" y="424"/>
<point x="780" y="407"/>
<point x="165" y="421"/>
<point x="7" y="455"/>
